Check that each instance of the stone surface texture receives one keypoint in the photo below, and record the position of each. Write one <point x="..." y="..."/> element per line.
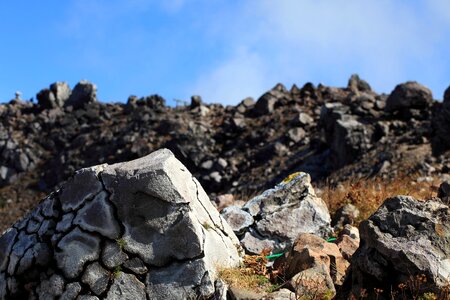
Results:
<point x="135" y="230"/>
<point x="282" y="213"/>
<point x="404" y="237"/>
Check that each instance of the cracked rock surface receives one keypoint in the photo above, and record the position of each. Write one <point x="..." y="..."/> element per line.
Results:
<point x="403" y="237"/>
<point x="142" y="229"/>
<point x="279" y="215"/>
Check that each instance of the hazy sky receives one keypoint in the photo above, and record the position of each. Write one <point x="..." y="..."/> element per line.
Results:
<point x="223" y="50"/>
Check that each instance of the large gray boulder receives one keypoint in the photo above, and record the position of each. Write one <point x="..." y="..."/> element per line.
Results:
<point x="403" y="237"/>
<point x="135" y="230"/>
<point x="83" y="93"/>
<point x="266" y="103"/>
<point x="347" y="137"/>
<point x="407" y="96"/>
<point x="55" y="96"/>
<point x="282" y="213"/>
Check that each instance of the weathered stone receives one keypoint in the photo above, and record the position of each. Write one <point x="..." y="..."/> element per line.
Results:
<point x="346" y="136"/>
<point x="113" y="255"/>
<point x="83" y="93"/>
<point x="168" y="221"/>
<point x="127" y="287"/>
<point x="238" y="219"/>
<point x="403" y="237"/>
<point x="407" y="96"/>
<point x="24" y="242"/>
<point x="51" y="288"/>
<point x="444" y="192"/>
<point x="347" y="246"/>
<point x="254" y="243"/>
<point x="176" y="281"/>
<point x="351" y="231"/>
<point x="266" y="103"/>
<point x="281" y="294"/>
<point x="310" y="251"/>
<point x="196" y="101"/>
<point x="98" y="216"/>
<point x="296" y="134"/>
<point x="6" y="243"/>
<point x="314" y="282"/>
<point x="76" y="249"/>
<point x="71" y="292"/>
<point x="65" y="223"/>
<point x="136" y="266"/>
<point x="289" y="209"/>
<point x="49" y="209"/>
<point x="47" y="229"/>
<point x="356" y="84"/>
<point x="304" y="119"/>
<point x="155" y="204"/>
<point x="83" y="186"/>
<point x="96" y="277"/>
<point x="346" y="214"/>
<point x="88" y="297"/>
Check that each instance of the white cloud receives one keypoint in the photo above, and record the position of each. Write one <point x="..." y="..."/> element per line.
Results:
<point x="293" y="41"/>
<point x="243" y="75"/>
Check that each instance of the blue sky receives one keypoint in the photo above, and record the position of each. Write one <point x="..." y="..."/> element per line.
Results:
<point x="223" y="50"/>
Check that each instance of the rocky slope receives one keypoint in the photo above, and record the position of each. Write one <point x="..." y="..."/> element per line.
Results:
<point x="331" y="133"/>
<point x="146" y="229"/>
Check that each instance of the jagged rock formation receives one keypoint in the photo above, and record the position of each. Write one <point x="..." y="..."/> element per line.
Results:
<point x="135" y="230"/>
<point x="404" y="237"/>
<point x="274" y="219"/>
<point x="331" y="133"/>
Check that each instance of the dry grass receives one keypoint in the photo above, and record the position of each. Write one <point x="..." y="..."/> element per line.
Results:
<point x="368" y="194"/>
<point x="252" y="275"/>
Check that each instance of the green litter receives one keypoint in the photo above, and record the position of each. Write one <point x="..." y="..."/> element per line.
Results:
<point x="332" y="239"/>
<point x="273" y="256"/>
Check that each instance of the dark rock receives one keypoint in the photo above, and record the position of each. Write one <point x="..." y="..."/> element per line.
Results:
<point x="83" y="93"/>
<point x="404" y="238"/>
<point x="54" y="97"/>
<point x="346" y="136"/>
<point x="444" y="191"/>
<point x="196" y="101"/>
<point x="355" y="84"/>
<point x="441" y="125"/>
<point x="409" y="95"/>
<point x="266" y="103"/>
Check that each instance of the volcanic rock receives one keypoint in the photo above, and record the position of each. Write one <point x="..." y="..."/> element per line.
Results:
<point x="139" y="229"/>
<point x="407" y="96"/>
<point x="285" y="211"/>
<point x="404" y="238"/>
<point x="54" y="97"/>
<point x="84" y="92"/>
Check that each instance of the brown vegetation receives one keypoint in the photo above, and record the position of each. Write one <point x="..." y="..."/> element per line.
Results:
<point x="368" y="194"/>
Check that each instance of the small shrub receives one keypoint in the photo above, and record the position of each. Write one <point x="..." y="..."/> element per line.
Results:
<point x="121" y="243"/>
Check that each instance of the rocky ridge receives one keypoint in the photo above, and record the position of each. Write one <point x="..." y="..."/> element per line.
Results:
<point x="330" y="133"/>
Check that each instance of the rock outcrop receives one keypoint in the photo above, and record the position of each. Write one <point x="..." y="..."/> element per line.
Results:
<point x="135" y="230"/>
<point x="331" y="133"/>
<point x="404" y="238"/>
<point x="410" y="99"/>
<point x="274" y="219"/>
